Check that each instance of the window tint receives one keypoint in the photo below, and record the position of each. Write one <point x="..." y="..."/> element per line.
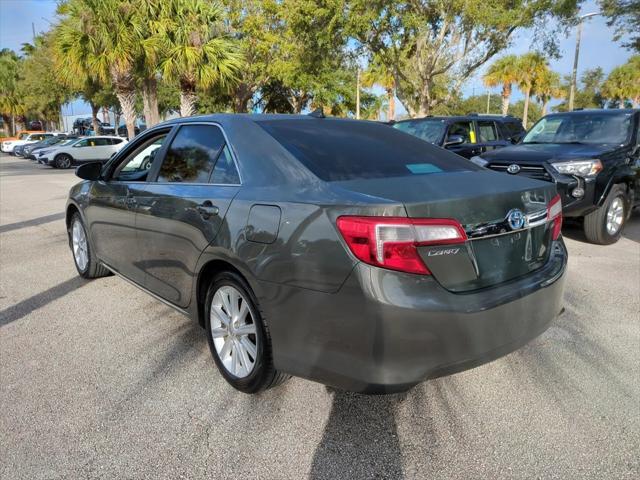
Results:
<point x="116" y="141"/>
<point x="140" y="160"/>
<point x="225" y="171"/>
<point x="191" y="155"/>
<point x="487" y="131"/>
<point x="513" y="128"/>
<point x="82" y="143"/>
<point x="343" y="149"/>
<point x="464" y="129"/>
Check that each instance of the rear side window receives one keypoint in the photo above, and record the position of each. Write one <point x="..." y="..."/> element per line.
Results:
<point x="337" y="150"/>
<point x="115" y="141"/>
<point x="101" y="142"/>
<point x="225" y="172"/>
<point x="487" y="131"/>
<point x="192" y="154"/>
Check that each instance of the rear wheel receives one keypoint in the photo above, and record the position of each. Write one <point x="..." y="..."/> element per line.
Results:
<point x="604" y="226"/>
<point x="238" y="337"/>
<point x="86" y="263"/>
<point x="63" y="161"/>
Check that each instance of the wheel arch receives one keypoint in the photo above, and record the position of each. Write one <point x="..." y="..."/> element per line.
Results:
<point x="206" y="274"/>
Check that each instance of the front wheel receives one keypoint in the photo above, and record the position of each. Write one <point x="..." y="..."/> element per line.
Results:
<point x="63" y="161"/>
<point x="604" y="226"/>
<point x="238" y="337"/>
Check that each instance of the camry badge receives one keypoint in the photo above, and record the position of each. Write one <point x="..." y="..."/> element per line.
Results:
<point x="513" y="168"/>
<point x="515" y="219"/>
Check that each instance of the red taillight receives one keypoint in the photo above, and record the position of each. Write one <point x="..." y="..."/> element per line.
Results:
<point x="554" y="214"/>
<point x="392" y="242"/>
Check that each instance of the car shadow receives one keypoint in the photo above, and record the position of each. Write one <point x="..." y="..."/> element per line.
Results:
<point x="360" y="439"/>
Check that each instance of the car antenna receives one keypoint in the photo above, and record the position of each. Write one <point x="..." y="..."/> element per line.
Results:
<point x="317" y="113"/>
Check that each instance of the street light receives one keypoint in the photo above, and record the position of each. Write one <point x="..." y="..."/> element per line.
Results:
<point x="572" y="91"/>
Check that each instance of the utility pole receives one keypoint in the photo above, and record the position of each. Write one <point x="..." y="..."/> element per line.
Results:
<point x="488" y="100"/>
<point x="33" y="31"/>
<point x="358" y="93"/>
<point x="574" y="74"/>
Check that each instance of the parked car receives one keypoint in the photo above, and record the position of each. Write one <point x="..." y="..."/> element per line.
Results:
<point x="138" y="127"/>
<point x="467" y="135"/>
<point x="8" y="142"/>
<point x="12" y="145"/>
<point x="87" y="149"/>
<point x="35" y="125"/>
<point x="30" y="151"/>
<point x="593" y="157"/>
<point x="342" y="251"/>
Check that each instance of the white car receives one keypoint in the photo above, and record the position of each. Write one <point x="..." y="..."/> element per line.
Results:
<point x="9" y="145"/>
<point x="80" y="150"/>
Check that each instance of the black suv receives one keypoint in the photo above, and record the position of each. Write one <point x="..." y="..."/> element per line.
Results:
<point x="468" y="135"/>
<point x="593" y="157"/>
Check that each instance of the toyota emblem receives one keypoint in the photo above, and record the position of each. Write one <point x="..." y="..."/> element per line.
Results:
<point x="513" y="169"/>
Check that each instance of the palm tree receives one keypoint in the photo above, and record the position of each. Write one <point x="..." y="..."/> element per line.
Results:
<point x="623" y="83"/>
<point x="99" y="38"/>
<point x="531" y="66"/>
<point x="548" y="86"/>
<point x="378" y="74"/>
<point x="10" y="100"/>
<point x="503" y="71"/>
<point x="198" y="52"/>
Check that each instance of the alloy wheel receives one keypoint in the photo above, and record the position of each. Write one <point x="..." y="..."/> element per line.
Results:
<point x="233" y="331"/>
<point x="79" y="243"/>
<point x="615" y="216"/>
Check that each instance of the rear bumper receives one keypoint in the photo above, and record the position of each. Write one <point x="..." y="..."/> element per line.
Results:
<point x="385" y="331"/>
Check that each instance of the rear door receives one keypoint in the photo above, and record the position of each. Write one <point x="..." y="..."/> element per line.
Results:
<point x="182" y="208"/>
<point x="489" y="136"/>
<point x="466" y="130"/>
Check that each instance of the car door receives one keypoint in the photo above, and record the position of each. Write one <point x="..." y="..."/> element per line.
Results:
<point x="468" y="148"/>
<point x="82" y="151"/>
<point x="111" y="214"/>
<point x="488" y="136"/>
<point x="182" y="208"/>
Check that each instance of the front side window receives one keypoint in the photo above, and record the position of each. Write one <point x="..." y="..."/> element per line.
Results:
<point x="464" y="129"/>
<point x="137" y="165"/>
<point x="589" y="128"/>
<point x="82" y="143"/>
<point x="192" y="154"/>
<point x="487" y="131"/>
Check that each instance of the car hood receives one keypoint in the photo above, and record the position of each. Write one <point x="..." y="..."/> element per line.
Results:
<point x="547" y="152"/>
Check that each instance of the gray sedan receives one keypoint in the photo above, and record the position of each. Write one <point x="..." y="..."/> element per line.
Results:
<point x="341" y="251"/>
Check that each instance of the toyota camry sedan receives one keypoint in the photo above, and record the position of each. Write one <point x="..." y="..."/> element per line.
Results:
<point x="340" y="251"/>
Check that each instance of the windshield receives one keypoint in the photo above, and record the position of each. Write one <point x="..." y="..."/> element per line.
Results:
<point x="52" y="140"/>
<point x="431" y="131"/>
<point x="23" y="136"/>
<point x="336" y="150"/>
<point x="591" y="128"/>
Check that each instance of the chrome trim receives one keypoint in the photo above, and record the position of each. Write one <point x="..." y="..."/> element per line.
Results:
<point x="532" y="220"/>
<point x="166" y="302"/>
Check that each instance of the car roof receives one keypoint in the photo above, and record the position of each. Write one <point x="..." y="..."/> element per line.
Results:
<point x="473" y="116"/>
<point x="604" y="111"/>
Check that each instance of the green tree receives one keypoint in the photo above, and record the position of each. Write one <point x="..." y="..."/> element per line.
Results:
<point x="10" y="100"/>
<point x="503" y="72"/>
<point x="378" y="74"/>
<point x="587" y="94"/>
<point x="624" y="15"/>
<point x="531" y="67"/>
<point x="199" y="52"/>
<point x="548" y="86"/>
<point x="433" y="47"/>
<point x="98" y="38"/>
<point x="623" y="83"/>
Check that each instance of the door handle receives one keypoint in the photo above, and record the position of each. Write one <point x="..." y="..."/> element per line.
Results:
<point x="207" y="209"/>
<point x="130" y="201"/>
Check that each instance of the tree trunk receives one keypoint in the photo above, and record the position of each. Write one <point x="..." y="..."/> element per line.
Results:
<point x="94" y="118"/>
<point x="127" y="99"/>
<point x="150" y="101"/>
<point x="544" y="107"/>
<point x="525" y="113"/>
<point x="13" y="125"/>
<point x="105" y="115"/>
<point x="391" y="115"/>
<point x="187" y="99"/>
<point x="241" y="98"/>
<point x="506" y="98"/>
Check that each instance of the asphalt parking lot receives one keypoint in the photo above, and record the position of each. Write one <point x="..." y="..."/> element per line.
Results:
<point x="99" y="380"/>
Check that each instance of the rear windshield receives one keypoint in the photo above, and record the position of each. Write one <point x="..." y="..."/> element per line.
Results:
<point x="336" y="150"/>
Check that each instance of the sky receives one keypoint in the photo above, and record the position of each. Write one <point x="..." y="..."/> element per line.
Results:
<point x="597" y="48"/>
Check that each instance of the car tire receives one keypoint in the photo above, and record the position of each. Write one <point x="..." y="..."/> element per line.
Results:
<point x="604" y="225"/>
<point x="63" y="161"/>
<point x="261" y="374"/>
<point x="84" y="259"/>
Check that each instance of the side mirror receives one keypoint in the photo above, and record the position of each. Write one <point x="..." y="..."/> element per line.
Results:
<point x="89" y="171"/>
<point x="453" y="140"/>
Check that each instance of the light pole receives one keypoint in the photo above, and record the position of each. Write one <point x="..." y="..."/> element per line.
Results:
<point x="574" y="74"/>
